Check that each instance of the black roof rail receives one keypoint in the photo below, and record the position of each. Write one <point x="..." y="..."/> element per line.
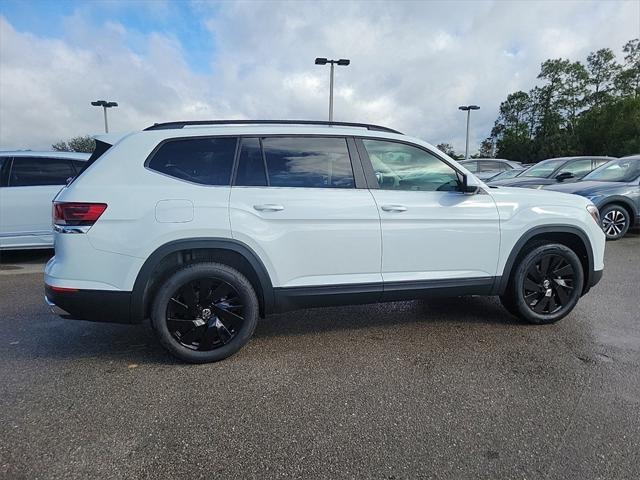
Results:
<point x="176" y="125"/>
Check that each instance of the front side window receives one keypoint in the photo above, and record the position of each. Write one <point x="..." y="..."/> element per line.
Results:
<point x="207" y="161"/>
<point x="398" y="166"/>
<point x="312" y="162"/>
<point x="578" y="168"/>
<point x="39" y="171"/>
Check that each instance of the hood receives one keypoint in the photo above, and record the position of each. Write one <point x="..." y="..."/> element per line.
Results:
<point x="523" y="182"/>
<point x="507" y="198"/>
<point x="587" y="188"/>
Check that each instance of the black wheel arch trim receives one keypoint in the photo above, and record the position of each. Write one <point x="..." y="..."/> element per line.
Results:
<point x="139" y="293"/>
<point x="591" y="279"/>
<point x="623" y="201"/>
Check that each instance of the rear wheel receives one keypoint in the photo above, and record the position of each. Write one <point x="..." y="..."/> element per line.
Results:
<point x="546" y="284"/>
<point x="615" y="221"/>
<point x="205" y="312"/>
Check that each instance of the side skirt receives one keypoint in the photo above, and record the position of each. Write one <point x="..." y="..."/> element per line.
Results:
<point x="293" y="298"/>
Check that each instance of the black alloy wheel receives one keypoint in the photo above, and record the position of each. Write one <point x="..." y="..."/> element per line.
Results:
<point x="545" y="285"/>
<point x="549" y="284"/>
<point x="204" y="312"/>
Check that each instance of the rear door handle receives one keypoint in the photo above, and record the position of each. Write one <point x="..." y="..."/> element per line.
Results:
<point x="394" y="208"/>
<point x="269" y="207"/>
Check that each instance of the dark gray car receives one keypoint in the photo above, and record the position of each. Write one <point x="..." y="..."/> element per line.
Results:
<point x="554" y="170"/>
<point x="615" y="189"/>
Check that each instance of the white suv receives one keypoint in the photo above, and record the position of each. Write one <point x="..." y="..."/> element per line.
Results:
<point x="206" y="226"/>
<point x="28" y="182"/>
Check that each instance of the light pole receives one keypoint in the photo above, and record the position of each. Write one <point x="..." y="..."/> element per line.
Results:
<point x="468" y="108"/>
<point x="104" y="104"/>
<point x="324" y="61"/>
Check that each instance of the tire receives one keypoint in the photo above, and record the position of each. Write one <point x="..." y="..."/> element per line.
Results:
<point x="204" y="312"/>
<point x="545" y="285"/>
<point x="615" y="221"/>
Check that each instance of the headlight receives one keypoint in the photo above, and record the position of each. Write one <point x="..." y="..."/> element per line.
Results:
<point x="595" y="214"/>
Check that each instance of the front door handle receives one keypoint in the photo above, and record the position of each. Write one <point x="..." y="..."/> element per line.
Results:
<point x="269" y="207"/>
<point x="394" y="208"/>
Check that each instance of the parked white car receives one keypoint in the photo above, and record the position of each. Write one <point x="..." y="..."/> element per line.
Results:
<point x="28" y="183"/>
<point x="205" y="226"/>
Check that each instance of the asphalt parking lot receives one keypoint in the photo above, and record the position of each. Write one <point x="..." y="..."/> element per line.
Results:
<point x="427" y="389"/>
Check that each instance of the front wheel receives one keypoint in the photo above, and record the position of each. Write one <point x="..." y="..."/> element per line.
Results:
<point x="204" y="312"/>
<point x="546" y="284"/>
<point x="615" y="221"/>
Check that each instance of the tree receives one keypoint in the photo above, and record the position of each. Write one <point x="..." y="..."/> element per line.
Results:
<point x="628" y="80"/>
<point x="612" y="129"/>
<point x="487" y="148"/>
<point x="447" y="148"/>
<point x="603" y="69"/>
<point x="84" y="144"/>
<point x="576" y="109"/>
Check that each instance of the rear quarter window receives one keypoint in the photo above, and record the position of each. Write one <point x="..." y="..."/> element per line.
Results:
<point x="207" y="161"/>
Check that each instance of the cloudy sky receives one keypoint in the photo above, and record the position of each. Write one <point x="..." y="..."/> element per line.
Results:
<point x="413" y="63"/>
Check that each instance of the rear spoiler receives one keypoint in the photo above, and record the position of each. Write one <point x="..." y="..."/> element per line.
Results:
<point x="103" y="143"/>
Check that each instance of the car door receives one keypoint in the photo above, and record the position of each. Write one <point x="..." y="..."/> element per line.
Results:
<point x="300" y="204"/>
<point x="32" y="184"/>
<point x="433" y="235"/>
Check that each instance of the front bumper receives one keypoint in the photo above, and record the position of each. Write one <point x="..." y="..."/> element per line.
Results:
<point x="93" y="305"/>
<point x="596" y="276"/>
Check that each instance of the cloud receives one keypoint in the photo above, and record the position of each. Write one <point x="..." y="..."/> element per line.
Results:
<point x="413" y="63"/>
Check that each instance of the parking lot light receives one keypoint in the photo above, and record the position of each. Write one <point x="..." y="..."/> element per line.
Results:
<point x="468" y="108"/>
<point x="323" y="61"/>
<point x="104" y="104"/>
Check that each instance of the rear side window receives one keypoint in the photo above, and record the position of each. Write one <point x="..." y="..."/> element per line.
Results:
<point x="37" y="171"/>
<point x="471" y="166"/>
<point x="78" y="165"/>
<point x="492" y="166"/>
<point x="207" y="161"/>
<point x="312" y="162"/>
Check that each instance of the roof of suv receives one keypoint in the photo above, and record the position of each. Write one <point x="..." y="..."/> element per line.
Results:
<point x="52" y="154"/>
<point x="314" y="123"/>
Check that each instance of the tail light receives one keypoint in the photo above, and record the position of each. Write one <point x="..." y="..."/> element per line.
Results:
<point x="77" y="214"/>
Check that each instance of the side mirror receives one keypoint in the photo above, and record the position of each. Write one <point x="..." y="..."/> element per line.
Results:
<point x="466" y="188"/>
<point x="562" y="176"/>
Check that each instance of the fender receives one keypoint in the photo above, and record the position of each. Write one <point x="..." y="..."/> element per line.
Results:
<point x="619" y="199"/>
<point x="500" y="284"/>
<point x="144" y="275"/>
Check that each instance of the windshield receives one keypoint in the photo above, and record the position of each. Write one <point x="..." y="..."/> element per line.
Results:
<point x="543" y="169"/>
<point x="623" y="170"/>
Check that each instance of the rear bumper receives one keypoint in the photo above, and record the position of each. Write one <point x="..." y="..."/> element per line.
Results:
<point x="93" y="305"/>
